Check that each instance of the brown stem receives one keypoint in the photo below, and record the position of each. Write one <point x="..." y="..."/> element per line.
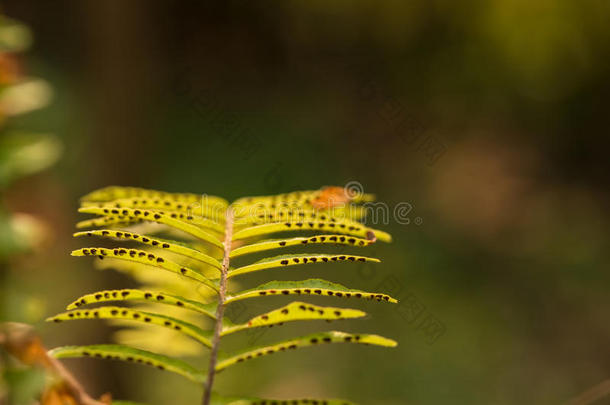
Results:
<point x="222" y="292"/>
<point x="21" y="342"/>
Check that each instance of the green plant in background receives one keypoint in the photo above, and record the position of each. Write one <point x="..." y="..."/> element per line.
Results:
<point x="22" y="153"/>
<point x="195" y="240"/>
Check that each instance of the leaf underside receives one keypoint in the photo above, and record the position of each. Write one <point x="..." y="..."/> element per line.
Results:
<point x="130" y="354"/>
<point x="139" y="295"/>
<point x="133" y="315"/>
<point x="134" y="215"/>
<point x="305" y="341"/>
<point x="147" y="258"/>
<point x="329" y="239"/>
<point x="359" y="231"/>
<point x="308" y="287"/>
<point x="297" y="260"/>
<point x="296" y="311"/>
<point x="191" y="228"/>
<point x="168" y="245"/>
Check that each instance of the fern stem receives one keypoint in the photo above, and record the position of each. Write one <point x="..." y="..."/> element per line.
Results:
<point x="222" y="292"/>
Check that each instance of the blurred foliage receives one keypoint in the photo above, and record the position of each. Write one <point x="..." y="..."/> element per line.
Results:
<point x="14" y="36"/>
<point x="21" y="154"/>
<point x="24" y="385"/>
<point x="26" y="154"/>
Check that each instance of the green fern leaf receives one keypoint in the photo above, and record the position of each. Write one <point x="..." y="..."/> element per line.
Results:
<point x="136" y="316"/>
<point x="259" y="217"/>
<point x="139" y="295"/>
<point x="300" y="226"/>
<point x="326" y="197"/>
<point x="297" y="260"/>
<point x="130" y="354"/>
<point x="305" y="341"/>
<point x="295" y="311"/>
<point x="328" y="239"/>
<point x="307" y="287"/>
<point x="112" y="193"/>
<point x="150" y="259"/>
<point x="293" y="199"/>
<point x="109" y="220"/>
<point x="213" y="211"/>
<point x="168" y="245"/>
<point x="161" y="218"/>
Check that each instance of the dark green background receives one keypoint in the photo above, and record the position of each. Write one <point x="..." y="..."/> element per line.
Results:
<point x="245" y="98"/>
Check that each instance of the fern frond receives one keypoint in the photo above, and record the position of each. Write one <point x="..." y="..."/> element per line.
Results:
<point x="139" y="295"/>
<point x="169" y="219"/>
<point x="136" y="316"/>
<point x="307" y="287"/>
<point x="297" y="260"/>
<point x="326" y="239"/>
<point x="192" y="227"/>
<point x="295" y="311"/>
<point x="150" y="259"/>
<point x="171" y="246"/>
<point x="305" y="341"/>
<point x="130" y="354"/>
<point x="360" y="230"/>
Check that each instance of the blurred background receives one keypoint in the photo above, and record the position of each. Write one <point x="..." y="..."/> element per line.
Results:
<point x="484" y="120"/>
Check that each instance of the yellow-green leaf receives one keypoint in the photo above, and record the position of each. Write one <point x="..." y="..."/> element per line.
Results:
<point x="305" y="341"/>
<point x="341" y="218"/>
<point x="155" y="242"/>
<point x="130" y="354"/>
<point x="295" y="311"/>
<point x="327" y="197"/>
<point x="141" y="256"/>
<point x="293" y="199"/>
<point x="356" y="229"/>
<point x="297" y="260"/>
<point x="108" y="220"/>
<point x="112" y="193"/>
<point x="136" y="316"/>
<point x="169" y="219"/>
<point x="139" y="295"/>
<point x="311" y="240"/>
<point x="200" y="208"/>
<point x="266" y="215"/>
<point x="307" y="287"/>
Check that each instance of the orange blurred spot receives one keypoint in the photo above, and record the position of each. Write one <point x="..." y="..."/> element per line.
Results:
<point x="330" y="197"/>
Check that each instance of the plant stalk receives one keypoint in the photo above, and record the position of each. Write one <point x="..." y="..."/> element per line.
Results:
<point x="222" y="293"/>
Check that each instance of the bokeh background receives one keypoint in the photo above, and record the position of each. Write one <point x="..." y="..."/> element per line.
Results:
<point x="487" y="119"/>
